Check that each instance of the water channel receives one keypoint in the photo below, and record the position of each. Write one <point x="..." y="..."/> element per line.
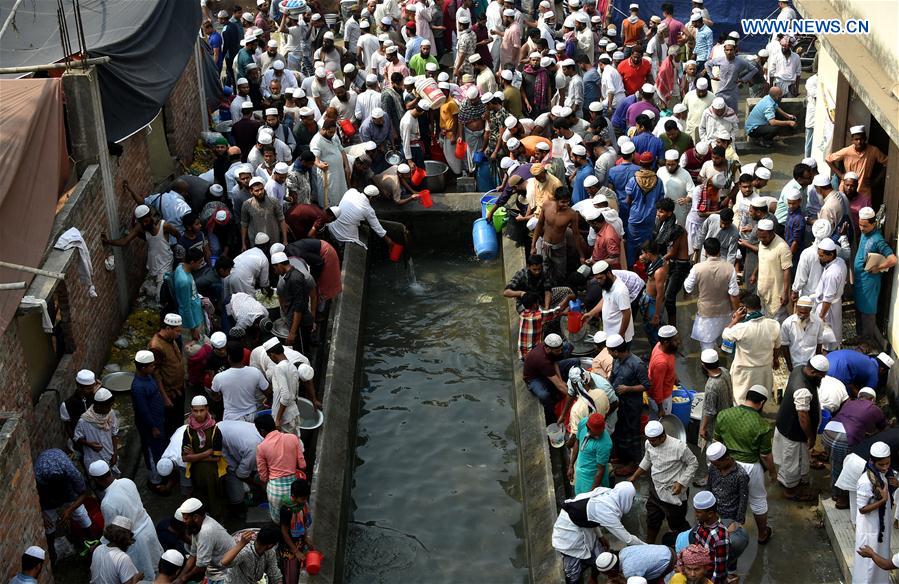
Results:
<point x="436" y="489"/>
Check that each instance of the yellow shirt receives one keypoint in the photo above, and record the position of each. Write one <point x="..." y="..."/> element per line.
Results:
<point x="681" y="579"/>
<point x="540" y="192"/>
<point x="773" y="260"/>
<point x="448" y="112"/>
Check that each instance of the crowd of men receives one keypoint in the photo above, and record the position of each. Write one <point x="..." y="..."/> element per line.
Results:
<point x="613" y="145"/>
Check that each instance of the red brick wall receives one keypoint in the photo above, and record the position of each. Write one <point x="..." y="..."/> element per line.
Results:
<point x="183" y="116"/>
<point x="20" y="513"/>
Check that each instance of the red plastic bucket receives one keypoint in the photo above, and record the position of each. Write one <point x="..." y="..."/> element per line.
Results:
<point x="418" y="175"/>
<point x="461" y="149"/>
<point x="575" y="322"/>
<point x="313" y="562"/>
<point x="425" y="198"/>
<point x="396" y="252"/>
<point x="348" y="129"/>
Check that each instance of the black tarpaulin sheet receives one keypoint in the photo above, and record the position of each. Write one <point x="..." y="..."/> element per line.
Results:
<point x="726" y="15"/>
<point x="149" y="43"/>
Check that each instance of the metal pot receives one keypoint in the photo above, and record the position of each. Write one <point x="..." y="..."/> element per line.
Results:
<point x="436" y="175"/>
<point x="394" y="157"/>
<point x="281" y="329"/>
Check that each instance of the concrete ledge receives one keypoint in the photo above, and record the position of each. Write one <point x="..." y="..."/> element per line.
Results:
<point x="535" y="470"/>
<point x="332" y="472"/>
<point x="842" y="538"/>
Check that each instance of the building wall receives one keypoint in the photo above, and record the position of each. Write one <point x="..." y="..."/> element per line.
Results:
<point x="884" y="28"/>
<point x="183" y="121"/>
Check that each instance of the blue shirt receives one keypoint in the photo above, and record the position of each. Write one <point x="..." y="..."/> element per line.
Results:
<point x="648" y="561"/>
<point x="647" y="142"/>
<point x="852" y="367"/>
<point x="643" y="205"/>
<point x="22" y="579"/>
<point x="591" y="88"/>
<point x="188" y="300"/>
<point x="149" y="410"/>
<point x="215" y="41"/>
<point x="794" y="228"/>
<point x="578" y="192"/>
<point x="763" y="111"/>
<point x="619" y="118"/>
<point x="618" y="177"/>
<point x="704" y="41"/>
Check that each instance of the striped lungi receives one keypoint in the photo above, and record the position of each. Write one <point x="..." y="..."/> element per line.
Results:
<point x="276" y="490"/>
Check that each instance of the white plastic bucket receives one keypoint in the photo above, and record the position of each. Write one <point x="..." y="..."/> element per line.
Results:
<point x="556" y="435"/>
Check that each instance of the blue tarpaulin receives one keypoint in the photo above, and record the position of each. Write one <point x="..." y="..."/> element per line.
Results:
<point x="725" y="13"/>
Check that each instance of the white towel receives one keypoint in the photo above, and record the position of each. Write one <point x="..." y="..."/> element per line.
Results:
<point x="72" y="238"/>
<point x="46" y="323"/>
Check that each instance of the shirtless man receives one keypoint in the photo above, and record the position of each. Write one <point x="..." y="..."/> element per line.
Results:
<point x="672" y="240"/>
<point x="654" y="296"/>
<point x="155" y="233"/>
<point x="555" y="220"/>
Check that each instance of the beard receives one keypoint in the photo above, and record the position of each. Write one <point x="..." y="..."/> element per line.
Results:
<point x="192" y="529"/>
<point x="606" y="285"/>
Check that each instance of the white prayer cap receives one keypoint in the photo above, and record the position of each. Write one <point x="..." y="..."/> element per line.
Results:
<point x="695" y="16"/>
<point x="568" y="23"/>
<point x="471" y="92"/>
<point x="672" y="155"/>
<point x="320" y="73"/>
<point x="805" y="302"/>
<point x="857" y="130"/>
<point x="98" y="468"/>
<point x="271" y="343"/>
<point x="628" y="148"/>
<point x="256" y="180"/>
<point x="281" y="168"/>
<point x="216" y="190"/>
<point x="649" y="114"/>
<point x="761" y="390"/>
<point x="654" y="429"/>
<point x="387" y="20"/>
<point x="487" y="97"/>
<point x="582" y="18"/>
<point x="141" y="211"/>
<point x="567" y="63"/>
<point x="762" y="53"/>
<point x="553" y="341"/>
<point x="272" y="111"/>
<point x="248" y="16"/>
<point x="123" y="522"/>
<point x="565" y="111"/>
<point x="679" y="108"/>
<point x="827" y="244"/>
<point x="591" y="181"/>
<point x="730" y="43"/>
<point x="144" y="357"/>
<point x="443" y="85"/>
<point x="723" y="134"/>
<point x="543" y="146"/>
<point x="702" y="148"/>
<point x="766" y="225"/>
<point x="600" y="337"/>
<point x="85" y="377"/>
<point x="648" y="88"/>
<point x="596" y="19"/>
<point x="506" y="163"/>
<point x="243" y="81"/>
<point x="306" y="372"/>
<point x="614" y="341"/>
<point x="534" y="55"/>
<point x="391" y="49"/>
<point x="364" y="24"/>
<point x="403" y="169"/>
<point x="867" y="391"/>
<point x="329" y="36"/>
<point x="794" y="196"/>
<point x="506" y="74"/>
<point x="261" y="238"/>
<point x="173" y="557"/>
<point x="36" y="553"/>
<point x="590" y="213"/>
<point x="821" y="228"/>
<point x="513" y="143"/>
<point x="595" y="106"/>
<point x="198" y="401"/>
<point x="578" y="150"/>
<point x="370" y="146"/>
<point x="279" y="258"/>
<point x="704" y="500"/>
<point x="191" y="505"/>
<point x="165" y="466"/>
<point x="819" y="363"/>
<point x="599" y="199"/>
<point x="264" y="138"/>
<point x="475" y="58"/>
<point x="560" y="46"/>
<point x="709" y="356"/>
<point x="762" y="173"/>
<point x="338" y="83"/>
<point x="850" y="176"/>
<point x="431" y="67"/>
<point x="606" y="561"/>
<point x="821" y="180"/>
<point x="222" y="14"/>
<point x="702" y="83"/>
<point x="371" y="191"/>
<point x="545" y="4"/>
<point x="718" y="103"/>
<point x="610" y="46"/>
<point x="377" y="113"/>
<point x="622" y="140"/>
<point x="866" y="213"/>
<point x="885" y="360"/>
<point x="715" y="451"/>
<point x="103" y="394"/>
<point x="218" y="339"/>
<point x="508" y="12"/>
<point x="880" y="450"/>
<point x="600" y="267"/>
<point x="758" y="203"/>
<point x="275" y="248"/>
<point x="278" y="65"/>
<point x="667" y="332"/>
<point x="546" y="61"/>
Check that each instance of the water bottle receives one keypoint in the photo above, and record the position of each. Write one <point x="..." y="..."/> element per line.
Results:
<point x="728" y="347"/>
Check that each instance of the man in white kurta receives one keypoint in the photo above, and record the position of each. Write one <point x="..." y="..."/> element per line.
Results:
<point x="328" y="151"/>
<point x="802" y="333"/>
<point x="773" y="271"/>
<point x="829" y="291"/>
<point x="121" y="498"/>
<point x="755" y="338"/>
<point x="867" y="524"/>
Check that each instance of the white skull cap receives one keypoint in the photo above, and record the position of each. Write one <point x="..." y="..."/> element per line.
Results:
<point x="553" y="341"/>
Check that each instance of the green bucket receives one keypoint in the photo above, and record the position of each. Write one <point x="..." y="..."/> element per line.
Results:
<point x="499" y="218"/>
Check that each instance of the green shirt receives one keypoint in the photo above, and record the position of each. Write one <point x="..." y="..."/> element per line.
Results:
<point x="683" y="143"/>
<point x="512" y="99"/>
<point x="418" y="63"/>
<point x="745" y="432"/>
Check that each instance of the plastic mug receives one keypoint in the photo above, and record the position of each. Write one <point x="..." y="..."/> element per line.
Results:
<point x="418" y="175"/>
<point x="396" y="252"/>
<point x="313" y="562"/>
<point x="425" y="198"/>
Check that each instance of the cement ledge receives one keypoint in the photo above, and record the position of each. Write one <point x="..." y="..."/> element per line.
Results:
<point x="332" y="472"/>
<point x="534" y="460"/>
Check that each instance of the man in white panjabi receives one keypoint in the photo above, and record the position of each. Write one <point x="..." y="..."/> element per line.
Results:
<point x="829" y="291"/>
<point x="874" y="518"/>
<point x="756" y="338"/>
<point x="802" y="333"/>
<point x="773" y="272"/>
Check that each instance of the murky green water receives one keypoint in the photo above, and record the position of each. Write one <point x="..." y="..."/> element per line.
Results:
<point x="436" y="493"/>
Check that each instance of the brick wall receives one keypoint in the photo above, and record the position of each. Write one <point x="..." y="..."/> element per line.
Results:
<point x="20" y="513"/>
<point x="183" y="116"/>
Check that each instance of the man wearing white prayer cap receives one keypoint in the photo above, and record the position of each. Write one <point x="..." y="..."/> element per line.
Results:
<point x="802" y="333"/>
<point x="874" y="520"/>
<point x="209" y="542"/>
<point x="829" y="291"/>
<point x="149" y="413"/>
<point x="96" y="431"/>
<point x="873" y="258"/>
<point x="32" y="564"/>
<point x="719" y="117"/>
<point x="757" y="340"/>
<point x="671" y="466"/>
<point x="81" y="399"/>
<point x="111" y="563"/>
<point x="772" y="275"/>
<point x="662" y="375"/>
<point x="629" y="380"/>
<point x="719" y="393"/>
<point x="546" y="371"/>
<point x="120" y="498"/>
<point x="861" y="158"/>
<point x="796" y="429"/>
<point x="170" y="564"/>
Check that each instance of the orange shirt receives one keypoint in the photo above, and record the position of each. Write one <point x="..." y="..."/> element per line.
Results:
<point x="861" y="163"/>
<point x="632" y="32"/>
<point x="279" y="455"/>
<point x="661" y="374"/>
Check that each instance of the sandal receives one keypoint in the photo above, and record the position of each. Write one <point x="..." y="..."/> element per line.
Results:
<point x="768" y="533"/>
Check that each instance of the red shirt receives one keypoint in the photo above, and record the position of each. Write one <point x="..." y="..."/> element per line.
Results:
<point x="661" y="374"/>
<point x="634" y="77"/>
<point x="608" y="245"/>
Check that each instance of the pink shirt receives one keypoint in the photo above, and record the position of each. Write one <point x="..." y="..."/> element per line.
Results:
<point x="279" y="455"/>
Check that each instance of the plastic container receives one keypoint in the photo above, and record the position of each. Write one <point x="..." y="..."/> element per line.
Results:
<point x="418" y="175"/>
<point x="499" y="219"/>
<point x="556" y="435"/>
<point x="396" y="252"/>
<point x="575" y="316"/>
<point x="682" y="409"/>
<point x="461" y="149"/>
<point x="347" y="127"/>
<point x="428" y="88"/>
<point x="313" y="562"/>
<point x="487" y="201"/>
<point x="425" y="198"/>
<point x="825" y="418"/>
<point x="727" y="347"/>
<point x="483" y="236"/>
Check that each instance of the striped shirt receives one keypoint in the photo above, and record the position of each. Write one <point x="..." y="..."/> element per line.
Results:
<point x="671" y="462"/>
<point x="704" y="41"/>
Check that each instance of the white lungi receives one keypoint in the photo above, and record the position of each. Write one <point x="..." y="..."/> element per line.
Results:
<point x="791" y="458"/>
<point x="758" y="496"/>
<point x="865" y="571"/>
